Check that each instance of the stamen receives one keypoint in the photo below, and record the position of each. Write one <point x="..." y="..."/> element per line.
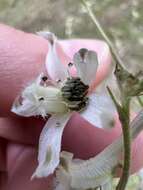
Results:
<point x="70" y="64"/>
<point x="41" y="99"/>
<point x="68" y="69"/>
<point x="74" y="92"/>
<point x="44" y="78"/>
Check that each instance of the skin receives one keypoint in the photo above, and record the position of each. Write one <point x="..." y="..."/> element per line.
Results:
<point x="22" y="58"/>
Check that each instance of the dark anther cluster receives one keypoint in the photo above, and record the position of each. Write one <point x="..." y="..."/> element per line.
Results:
<point x="75" y="91"/>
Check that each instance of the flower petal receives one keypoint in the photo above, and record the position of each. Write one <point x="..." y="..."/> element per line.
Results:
<point x="95" y="171"/>
<point x="108" y="185"/>
<point x="86" y="64"/>
<point x="100" y="111"/>
<point x="25" y="109"/>
<point x="50" y="145"/>
<point x="105" y="161"/>
<point x="62" y="176"/>
<point x="61" y="187"/>
<point x="22" y="105"/>
<point x="68" y="177"/>
<point x="56" y="70"/>
<point x="101" y="166"/>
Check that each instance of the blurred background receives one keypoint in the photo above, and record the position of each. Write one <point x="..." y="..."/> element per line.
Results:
<point x="121" y="19"/>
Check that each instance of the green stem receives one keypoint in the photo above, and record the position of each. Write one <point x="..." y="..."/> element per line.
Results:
<point x="140" y="101"/>
<point x="125" y="119"/>
<point x="103" y="34"/>
<point x="118" y="106"/>
<point x="123" y="110"/>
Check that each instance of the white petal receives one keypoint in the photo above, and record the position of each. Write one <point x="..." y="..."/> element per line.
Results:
<point x="47" y="35"/>
<point x="78" y="179"/>
<point x="55" y="69"/>
<point x="39" y="78"/>
<point x="58" y="186"/>
<point x="96" y="171"/>
<point x="100" y="111"/>
<point x="105" y="161"/>
<point x="61" y="187"/>
<point x="108" y="185"/>
<point x="50" y="145"/>
<point x="86" y="64"/>
<point x="30" y="104"/>
<point x="23" y="105"/>
<point x="25" y="109"/>
<point x="63" y="179"/>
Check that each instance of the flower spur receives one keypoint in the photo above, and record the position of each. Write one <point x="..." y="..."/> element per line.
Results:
<point x="98" y="171"/>
<point x="59" y="100"/>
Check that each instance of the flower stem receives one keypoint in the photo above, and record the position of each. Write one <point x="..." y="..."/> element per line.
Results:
<point x="140" y="101"/>
<point x="103" y="34"/>
<point x="123" y="110"/>
<point x="124" y="117"/>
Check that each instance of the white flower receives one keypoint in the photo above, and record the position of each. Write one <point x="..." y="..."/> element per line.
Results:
<point x="59" y="100"/>
<point x="97" y="171"/>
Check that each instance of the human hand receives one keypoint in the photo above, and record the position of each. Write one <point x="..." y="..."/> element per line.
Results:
<point x="21" y="59"/>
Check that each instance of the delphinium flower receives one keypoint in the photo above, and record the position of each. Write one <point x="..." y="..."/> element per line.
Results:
<point x="58" y="97"/>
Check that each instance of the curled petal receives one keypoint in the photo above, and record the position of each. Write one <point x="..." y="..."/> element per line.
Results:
<point x="39" y="99"/>
<point x="96" y="171"/>
<point x="101" y="166"/>
<point x="25" y="108"/>
<point x="23" y="105"/>
<point x="86" y="64"/>
<point x="56" y="70"/>
<point x="108" y="158"/>
<point x="48" y="36"/>
<point x="62" y="175"/>
<point x="108" y="185"/>
<point x="69" y="176"/>
<point x="50" y="145"/>
<point x="100" y="111"/>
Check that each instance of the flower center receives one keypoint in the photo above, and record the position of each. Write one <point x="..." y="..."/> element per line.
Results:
<point x="74" y="93"/>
